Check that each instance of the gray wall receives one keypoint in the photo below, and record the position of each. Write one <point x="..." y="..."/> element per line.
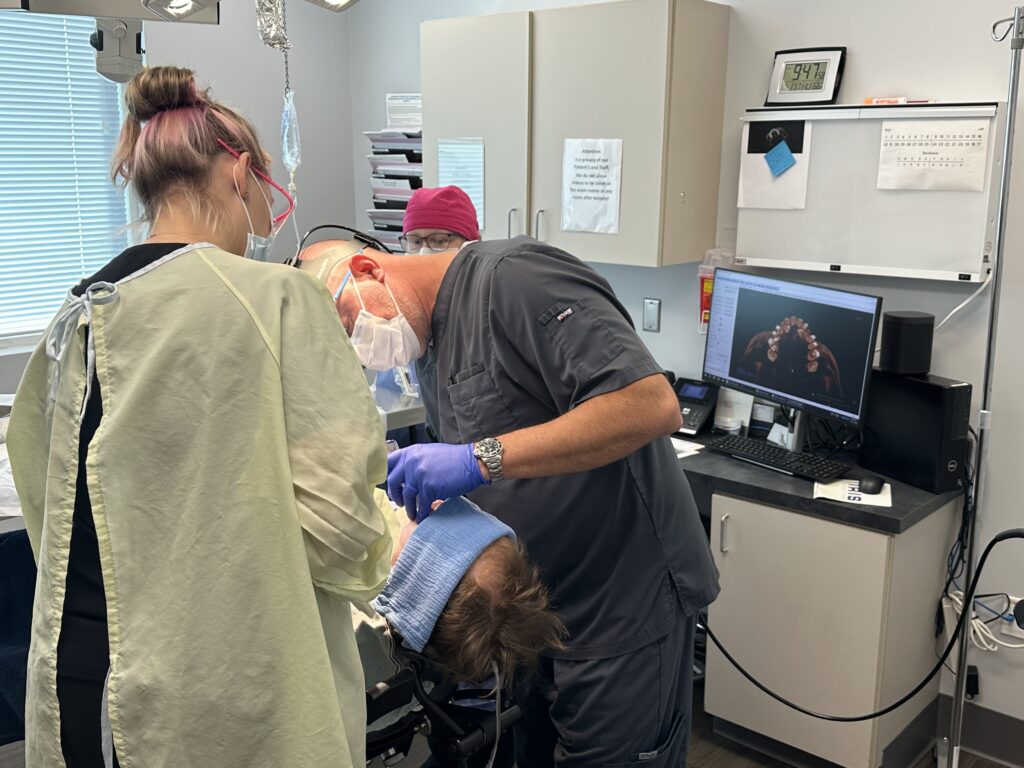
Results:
<point x="11" y="366"/>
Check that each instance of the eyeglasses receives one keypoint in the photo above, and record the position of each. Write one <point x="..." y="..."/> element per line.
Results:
<point x="437" y="242"/>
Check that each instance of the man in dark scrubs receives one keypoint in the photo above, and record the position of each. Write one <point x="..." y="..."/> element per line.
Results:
<point x="555" y="418"/>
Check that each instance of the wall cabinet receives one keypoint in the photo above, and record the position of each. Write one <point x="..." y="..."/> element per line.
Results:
<point x="648" y="72"/>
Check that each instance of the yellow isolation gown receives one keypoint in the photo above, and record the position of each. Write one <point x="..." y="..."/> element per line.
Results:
<point x="232" y="488"/>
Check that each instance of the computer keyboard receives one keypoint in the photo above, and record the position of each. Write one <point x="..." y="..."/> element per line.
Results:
<point x="772" y="456"/>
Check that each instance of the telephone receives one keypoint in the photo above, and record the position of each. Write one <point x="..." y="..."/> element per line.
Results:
<point x="697" y="401"/>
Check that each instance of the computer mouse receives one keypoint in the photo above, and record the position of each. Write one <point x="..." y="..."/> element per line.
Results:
<point x="871" y="484"/>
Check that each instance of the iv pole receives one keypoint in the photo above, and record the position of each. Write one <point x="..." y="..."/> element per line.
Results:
<point x="1015" y="31"/>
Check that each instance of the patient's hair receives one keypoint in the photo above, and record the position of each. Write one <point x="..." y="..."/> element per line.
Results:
<point x="500" y="612"/>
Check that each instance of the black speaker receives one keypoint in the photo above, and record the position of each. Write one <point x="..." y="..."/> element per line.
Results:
<point x="907" y="342"/>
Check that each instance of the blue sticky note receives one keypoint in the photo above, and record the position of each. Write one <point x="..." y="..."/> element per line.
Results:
<point x="779" y="159"/>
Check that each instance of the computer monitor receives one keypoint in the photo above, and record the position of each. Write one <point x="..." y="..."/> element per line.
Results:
<point x="799" y="345"/>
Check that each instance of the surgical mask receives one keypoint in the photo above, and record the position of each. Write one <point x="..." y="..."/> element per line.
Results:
<point x="382" y="344"/>
<point x="258" y="247"/>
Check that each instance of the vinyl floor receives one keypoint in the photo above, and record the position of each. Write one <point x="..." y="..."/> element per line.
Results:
<point x="707" y="750"/>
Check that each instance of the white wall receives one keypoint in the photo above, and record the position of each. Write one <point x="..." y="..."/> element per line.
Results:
<point x="247" y="75"/>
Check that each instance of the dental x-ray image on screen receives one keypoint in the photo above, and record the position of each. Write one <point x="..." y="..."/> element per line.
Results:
<point x="797" y="344"/>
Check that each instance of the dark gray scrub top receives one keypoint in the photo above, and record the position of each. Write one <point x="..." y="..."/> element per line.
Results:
<point x="523" y="333"/>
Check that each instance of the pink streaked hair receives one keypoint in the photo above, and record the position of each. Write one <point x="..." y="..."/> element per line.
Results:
<point x="172" y="136"/>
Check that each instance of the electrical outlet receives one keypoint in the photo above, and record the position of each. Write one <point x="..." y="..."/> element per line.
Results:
<point x="1010" y="628"/>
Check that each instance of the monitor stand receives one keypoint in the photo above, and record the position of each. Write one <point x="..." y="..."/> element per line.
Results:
<point x="792" y="437"/>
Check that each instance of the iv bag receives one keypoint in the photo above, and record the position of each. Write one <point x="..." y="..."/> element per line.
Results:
<point x="291" y="148"/>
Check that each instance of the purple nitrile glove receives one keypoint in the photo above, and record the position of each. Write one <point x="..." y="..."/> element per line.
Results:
<point x="422" y="474"/>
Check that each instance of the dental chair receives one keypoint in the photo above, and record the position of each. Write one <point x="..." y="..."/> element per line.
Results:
<point x="456" y="732"/>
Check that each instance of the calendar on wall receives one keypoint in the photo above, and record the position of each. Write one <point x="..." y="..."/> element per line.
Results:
<point x="934" y="155"/>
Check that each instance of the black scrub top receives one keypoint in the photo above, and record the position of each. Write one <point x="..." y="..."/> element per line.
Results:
<point x="82" y="650"/>
<point x="523" y="333"/>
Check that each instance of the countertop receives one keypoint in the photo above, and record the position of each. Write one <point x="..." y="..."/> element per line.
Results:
<point x="711" y="473"/>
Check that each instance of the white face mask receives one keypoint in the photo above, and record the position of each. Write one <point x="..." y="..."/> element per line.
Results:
<point x="257" y="248"/>
<point x="382" y="344"/>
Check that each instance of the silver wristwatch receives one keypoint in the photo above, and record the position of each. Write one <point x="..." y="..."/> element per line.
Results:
<point x="489" y="451"/>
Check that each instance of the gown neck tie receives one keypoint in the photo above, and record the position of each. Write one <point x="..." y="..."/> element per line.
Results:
<point x="64" y="328"/>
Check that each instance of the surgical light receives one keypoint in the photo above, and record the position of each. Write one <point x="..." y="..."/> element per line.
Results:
<point x="176" y="10"/>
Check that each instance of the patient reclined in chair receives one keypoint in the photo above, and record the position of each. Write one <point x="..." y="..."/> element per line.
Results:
<point x="461" y="595"/>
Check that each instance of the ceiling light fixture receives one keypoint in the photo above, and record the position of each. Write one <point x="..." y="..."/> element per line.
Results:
<point x="176" y="10"/>
<point x="334" y="5"/>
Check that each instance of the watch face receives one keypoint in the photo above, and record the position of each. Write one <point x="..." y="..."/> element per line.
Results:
<point x="488" y="447"/>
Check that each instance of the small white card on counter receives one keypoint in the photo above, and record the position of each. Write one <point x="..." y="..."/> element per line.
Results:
<point x="848" y="491"/>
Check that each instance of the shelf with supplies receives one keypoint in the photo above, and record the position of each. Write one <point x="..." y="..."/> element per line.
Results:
<point x="890" y="190"/>
<point x="396" y="171"/>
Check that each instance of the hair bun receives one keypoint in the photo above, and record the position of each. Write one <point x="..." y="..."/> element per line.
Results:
<point x="157" y="89"/>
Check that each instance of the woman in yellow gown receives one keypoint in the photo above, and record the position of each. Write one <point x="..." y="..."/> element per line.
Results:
<point x="196" y="450"/>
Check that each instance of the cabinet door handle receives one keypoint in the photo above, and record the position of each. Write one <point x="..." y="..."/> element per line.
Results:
<point x="510" y="212"/>
<point x="536" y="224"/>
<point x="723" y="544"/>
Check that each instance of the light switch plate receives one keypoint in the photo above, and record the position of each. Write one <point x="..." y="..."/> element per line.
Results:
<point x="652" y="315"/>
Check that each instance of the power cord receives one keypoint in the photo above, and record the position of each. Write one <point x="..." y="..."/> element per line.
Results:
<point x="1012" y="533"/>
<point x="825" y="435"/>
<point x="982" y="636"/>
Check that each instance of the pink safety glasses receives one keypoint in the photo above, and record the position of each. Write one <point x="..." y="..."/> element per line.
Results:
<point x="278" y="218"/>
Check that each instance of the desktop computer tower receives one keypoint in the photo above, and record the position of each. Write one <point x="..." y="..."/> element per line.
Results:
<point x="916" y="430"/>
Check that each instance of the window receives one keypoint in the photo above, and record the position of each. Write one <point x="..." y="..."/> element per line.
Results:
<point x="60" y="217"/>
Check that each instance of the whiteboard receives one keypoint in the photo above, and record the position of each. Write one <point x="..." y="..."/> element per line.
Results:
<point x="851" y="226"/>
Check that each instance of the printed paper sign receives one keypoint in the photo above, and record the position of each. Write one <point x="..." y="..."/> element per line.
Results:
<point x="461" y="162"/>
<point x="404" y="111"/>
<point x="591" y="185"/>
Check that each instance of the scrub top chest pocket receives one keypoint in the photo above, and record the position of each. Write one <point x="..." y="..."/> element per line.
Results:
<point x="479" y="409"/>
<point x="584" y="340"/>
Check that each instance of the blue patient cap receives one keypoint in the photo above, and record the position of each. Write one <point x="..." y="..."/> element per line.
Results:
<point x="431" y="565"/>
